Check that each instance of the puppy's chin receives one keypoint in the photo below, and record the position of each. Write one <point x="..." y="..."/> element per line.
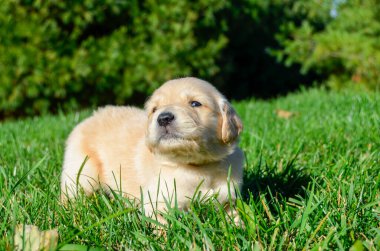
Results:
<point x="171" y="144"/>
<point x="194" y="151"/>
<point x="174" y="142"/>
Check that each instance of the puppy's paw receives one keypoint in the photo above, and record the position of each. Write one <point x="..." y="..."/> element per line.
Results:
<point x="234" y="218"/>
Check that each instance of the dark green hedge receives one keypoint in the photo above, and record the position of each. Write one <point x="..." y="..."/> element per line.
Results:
<point x="69" y="54"/>
<point x="65" y="54"/>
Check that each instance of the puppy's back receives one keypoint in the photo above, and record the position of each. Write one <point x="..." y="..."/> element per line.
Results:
<point x="103" y="138"/>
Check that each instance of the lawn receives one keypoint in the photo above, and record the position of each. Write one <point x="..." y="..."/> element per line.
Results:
<point x="312" y="181"/>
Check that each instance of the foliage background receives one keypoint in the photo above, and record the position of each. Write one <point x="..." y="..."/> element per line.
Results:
<point x="68" y="54"/>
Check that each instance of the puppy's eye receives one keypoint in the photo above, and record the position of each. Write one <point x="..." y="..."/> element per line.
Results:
<point x="195" y="104"/>
<point x="154" y="109"/>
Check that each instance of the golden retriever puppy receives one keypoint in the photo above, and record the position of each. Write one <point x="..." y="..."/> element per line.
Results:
<point x="184" y="140"/>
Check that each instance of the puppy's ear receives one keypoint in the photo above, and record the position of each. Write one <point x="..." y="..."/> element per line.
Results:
<point x="231" y="125"/>
<point x="147" y="104"/>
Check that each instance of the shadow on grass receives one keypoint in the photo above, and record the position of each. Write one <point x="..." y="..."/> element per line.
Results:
<point x="281" y="182"/>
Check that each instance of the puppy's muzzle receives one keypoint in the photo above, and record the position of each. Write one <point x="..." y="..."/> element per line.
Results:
<point x="165" y="118"/>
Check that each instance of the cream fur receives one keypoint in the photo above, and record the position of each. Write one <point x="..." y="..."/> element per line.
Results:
<point x="129" y="151"/>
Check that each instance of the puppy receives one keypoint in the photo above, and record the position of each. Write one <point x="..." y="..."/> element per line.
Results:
<point x="183" y="142"/>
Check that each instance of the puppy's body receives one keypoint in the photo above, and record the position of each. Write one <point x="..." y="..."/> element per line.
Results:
<point x="172" y="146"/>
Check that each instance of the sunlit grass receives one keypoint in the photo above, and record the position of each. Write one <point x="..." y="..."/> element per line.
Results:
<point x="312" y="181"/>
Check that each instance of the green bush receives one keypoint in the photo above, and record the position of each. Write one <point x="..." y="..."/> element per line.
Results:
<point x="69" y="54"/>
<point x="65" y="54"/>
<point x="347" y="47"/>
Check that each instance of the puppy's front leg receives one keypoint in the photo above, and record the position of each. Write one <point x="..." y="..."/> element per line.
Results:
<point x="79" y="172"/>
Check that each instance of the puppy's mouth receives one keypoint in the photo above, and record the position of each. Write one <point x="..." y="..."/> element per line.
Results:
<point x="169" y="134"/>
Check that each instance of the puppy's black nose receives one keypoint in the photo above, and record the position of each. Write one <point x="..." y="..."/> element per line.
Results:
<point x="165" y="118"/>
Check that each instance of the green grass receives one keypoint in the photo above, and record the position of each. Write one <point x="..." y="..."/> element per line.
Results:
<point x="311" y="182"/>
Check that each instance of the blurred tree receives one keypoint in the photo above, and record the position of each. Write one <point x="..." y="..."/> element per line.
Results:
<point x="346" y="50"/>
<point x="248" y="66"/>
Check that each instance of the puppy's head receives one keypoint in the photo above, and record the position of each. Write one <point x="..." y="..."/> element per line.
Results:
<point x="190" y="122"/>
